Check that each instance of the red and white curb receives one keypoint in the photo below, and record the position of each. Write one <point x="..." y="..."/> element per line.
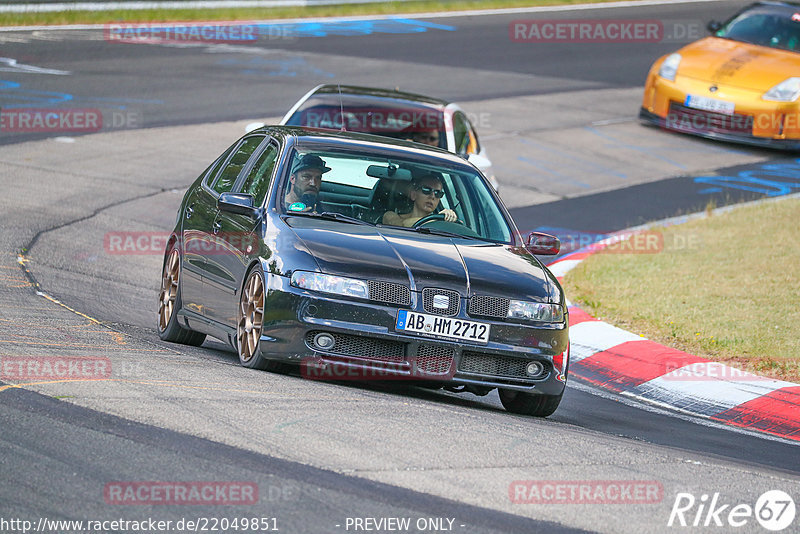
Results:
<point x="620" y="361"/>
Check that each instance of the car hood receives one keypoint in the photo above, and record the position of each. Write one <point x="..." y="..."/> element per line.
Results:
<point x="727" y="62"/>
<point x="421" y="260"/>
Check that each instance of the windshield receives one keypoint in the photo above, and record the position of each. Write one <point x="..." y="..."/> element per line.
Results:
<point x="765" y="26"/>
<point x="424" y="196"/>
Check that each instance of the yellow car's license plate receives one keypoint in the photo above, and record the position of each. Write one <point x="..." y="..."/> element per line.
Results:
<point x="438" y="326"/>
<point x="709" y="104"/>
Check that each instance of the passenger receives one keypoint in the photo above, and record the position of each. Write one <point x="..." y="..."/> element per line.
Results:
<point x="426" y="137"/>
<point x="425" y="192"/>
<point x="305" y="182"/>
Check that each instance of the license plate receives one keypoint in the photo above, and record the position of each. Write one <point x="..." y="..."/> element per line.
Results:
<point x="444" y="327"/>
<point x="709" y="104"/>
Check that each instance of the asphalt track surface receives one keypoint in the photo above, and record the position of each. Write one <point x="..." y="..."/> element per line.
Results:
<point x="321" y="452"/>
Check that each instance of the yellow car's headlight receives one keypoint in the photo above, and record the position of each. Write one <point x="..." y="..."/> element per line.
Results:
<point x="669" y="68"/>
<point x="786" y="91"/>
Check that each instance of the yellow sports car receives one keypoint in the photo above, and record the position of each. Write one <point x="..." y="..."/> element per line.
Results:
<point x="740" y="84"/>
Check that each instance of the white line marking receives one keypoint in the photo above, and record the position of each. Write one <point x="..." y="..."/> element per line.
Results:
<point x="13" y="66"/>
<point x="560" y="268"/>
<point x="590" y="337"/>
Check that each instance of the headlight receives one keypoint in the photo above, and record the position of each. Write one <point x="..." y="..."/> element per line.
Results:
<point x="669" y="68"/>
<point x="535" y="311"/>
<point x="325" y="283"/>
<point x="786" y="91"/>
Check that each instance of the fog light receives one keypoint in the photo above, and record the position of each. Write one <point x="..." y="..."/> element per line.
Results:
<point x="535" y="369"/>
<point x="324" y="341"/>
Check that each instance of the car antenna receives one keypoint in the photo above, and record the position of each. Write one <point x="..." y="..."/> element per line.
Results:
<point x="341" y="105"/>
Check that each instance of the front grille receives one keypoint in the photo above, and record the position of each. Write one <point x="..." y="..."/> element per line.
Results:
<point x="361" y="346"/>
<point x="488" y="306"/>
<point x="493" y="365"/>
<point x="687" y="119"/>
<point x="389" y="292"/>
<point x="435" y="359"/>
<point x="429" y="294"/>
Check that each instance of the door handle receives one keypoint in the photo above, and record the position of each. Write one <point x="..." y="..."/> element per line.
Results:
<point x="189" y="211"/>
<point x="216" y="227"/>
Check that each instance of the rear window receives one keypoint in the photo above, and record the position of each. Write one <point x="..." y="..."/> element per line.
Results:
<point x="398" y="122"/>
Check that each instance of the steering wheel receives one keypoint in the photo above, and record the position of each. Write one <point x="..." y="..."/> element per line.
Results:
<point x="434" y="217"/>
<point x="429" y="218"/>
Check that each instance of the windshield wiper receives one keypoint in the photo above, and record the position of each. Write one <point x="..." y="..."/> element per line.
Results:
<point x="335" y="216"/>
<point x="444" y="233"/>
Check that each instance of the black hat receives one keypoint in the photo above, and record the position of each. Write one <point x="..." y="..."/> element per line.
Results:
<point x="310" y="161"/>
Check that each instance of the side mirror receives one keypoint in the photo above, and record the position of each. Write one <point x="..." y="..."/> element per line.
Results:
<point x="714" y="26"/>
<point x="542" y="244"/>
<point x="240" y="203"/>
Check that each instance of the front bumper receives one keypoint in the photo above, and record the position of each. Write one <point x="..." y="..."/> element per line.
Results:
<point x="754" y="121"/>
<point x="367" y="347"/>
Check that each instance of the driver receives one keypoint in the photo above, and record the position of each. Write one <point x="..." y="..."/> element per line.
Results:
<point x="305" y="182"/>
<point x="425" y="193"/>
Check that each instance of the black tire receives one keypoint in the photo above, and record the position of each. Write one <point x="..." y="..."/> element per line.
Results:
<point x="529" y="404"/>
<point x="169" y="303"/>
<point x="252" y="299"/>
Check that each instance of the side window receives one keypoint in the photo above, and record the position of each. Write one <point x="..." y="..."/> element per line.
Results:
<point x="227" y="176"/>
<point x="461" y="132"/>
<point x="210" y="176"/>
<point x="260" y="176"/>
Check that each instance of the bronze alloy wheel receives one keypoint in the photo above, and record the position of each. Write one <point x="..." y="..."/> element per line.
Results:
<point x="169" y="290"/>
<point x="251" y="315"/>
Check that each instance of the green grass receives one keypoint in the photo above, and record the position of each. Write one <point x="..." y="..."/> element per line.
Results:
<point x="163" y="15"/>
<point x="726" y="287"/>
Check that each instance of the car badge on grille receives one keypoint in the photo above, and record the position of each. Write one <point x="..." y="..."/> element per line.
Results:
<point x="441" y="302"/>
<point x="713" y="88"/>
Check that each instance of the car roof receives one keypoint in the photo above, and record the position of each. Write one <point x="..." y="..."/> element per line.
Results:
<point x="353" y="92"/>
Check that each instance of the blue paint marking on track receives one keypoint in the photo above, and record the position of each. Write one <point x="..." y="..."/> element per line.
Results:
<point x="13" y="95"/>
<point x="394" y="25"/>
<point x="290" y="67"/>
<point x="26" y="98"/>
<point x="251" y="32"/>
<point x="770" y="179"/>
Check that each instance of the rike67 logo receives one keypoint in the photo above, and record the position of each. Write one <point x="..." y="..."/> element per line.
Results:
<point x="774" y="510"/>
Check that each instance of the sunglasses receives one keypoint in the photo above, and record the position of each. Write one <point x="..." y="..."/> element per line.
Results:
<point x="438" y="193"/>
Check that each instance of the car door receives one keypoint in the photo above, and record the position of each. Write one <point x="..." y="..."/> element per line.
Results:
<point x="229" y="235"/>
<point x="197" y="217"/>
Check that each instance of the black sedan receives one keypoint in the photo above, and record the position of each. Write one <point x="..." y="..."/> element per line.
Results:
<point x="354" y="256"/>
